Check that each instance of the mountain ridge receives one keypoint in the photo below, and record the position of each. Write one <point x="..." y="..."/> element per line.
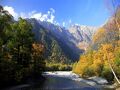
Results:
<point x="65" y="41"/>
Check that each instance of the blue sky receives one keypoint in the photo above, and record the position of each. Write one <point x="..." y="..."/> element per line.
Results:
<point x="64" y="12"/>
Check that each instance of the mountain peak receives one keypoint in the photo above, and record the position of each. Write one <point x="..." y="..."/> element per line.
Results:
<point x="81" y="35"/>
<point x="75" y="36"/>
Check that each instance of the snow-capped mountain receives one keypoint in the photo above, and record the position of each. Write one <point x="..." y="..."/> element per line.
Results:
<point x="81" y="35"/>
<point x="76" y="36"/>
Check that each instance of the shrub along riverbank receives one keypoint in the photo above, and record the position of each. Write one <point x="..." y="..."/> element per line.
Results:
<point x="58" y="67"/>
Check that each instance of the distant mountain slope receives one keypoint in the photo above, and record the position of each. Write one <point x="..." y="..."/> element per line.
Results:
<point x="62" y="45"/>
<point x="62" y="35"/>
<point x="81" y="35"/>
<point x="76" y="37"/>
<point x="57" y="51"/>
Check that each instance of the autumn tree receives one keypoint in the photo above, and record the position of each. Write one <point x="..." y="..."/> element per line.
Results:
<point x="37" y="58"/>
<point x="114" y="8"/>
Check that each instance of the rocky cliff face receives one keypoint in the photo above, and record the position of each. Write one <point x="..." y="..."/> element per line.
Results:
<point x="69" y="43"/>
<point x="81" y="35"/>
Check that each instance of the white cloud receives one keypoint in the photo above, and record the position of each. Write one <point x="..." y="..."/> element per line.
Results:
<point x="11" y="11"/>
<point x="49" y="16"/>
<point x="77" y="24"/>
<point x="36" y="15"/>
<point x="70" y="21"/>
<point x="63" y="24"/>
<point x="56" y="23"/>
<point x="23" y="15"/>
<point x="31" y="13"/>
<point x="53" y="11"/>
<point x="51" y="19"/>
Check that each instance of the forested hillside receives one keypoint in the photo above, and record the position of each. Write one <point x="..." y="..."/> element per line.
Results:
<point x="21" y="57"/>
<point x="103" y="57"/>
<point x="56" y="51"/>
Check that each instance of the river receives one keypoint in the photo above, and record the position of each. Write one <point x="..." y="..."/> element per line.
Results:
<point x="62" y="81"/>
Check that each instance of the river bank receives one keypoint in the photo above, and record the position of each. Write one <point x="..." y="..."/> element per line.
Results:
<point x="92" y="81"/>
<point x="66" y="80"/>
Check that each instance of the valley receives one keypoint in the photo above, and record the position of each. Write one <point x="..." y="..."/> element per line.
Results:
<point x="61" y="45"/>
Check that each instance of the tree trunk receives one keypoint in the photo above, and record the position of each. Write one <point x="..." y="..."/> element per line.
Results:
<point x="113" y="70"/>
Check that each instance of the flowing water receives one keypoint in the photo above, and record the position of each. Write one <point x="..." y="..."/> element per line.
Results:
<point x="53" y="82"/>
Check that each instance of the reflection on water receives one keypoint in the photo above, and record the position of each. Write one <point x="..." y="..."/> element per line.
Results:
<point x="64" y="83"/>
<point x="60" y="83"/>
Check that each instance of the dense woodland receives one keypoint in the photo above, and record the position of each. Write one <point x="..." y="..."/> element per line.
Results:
<point x="21" y="57"/>
<point x="103" y="56"/>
